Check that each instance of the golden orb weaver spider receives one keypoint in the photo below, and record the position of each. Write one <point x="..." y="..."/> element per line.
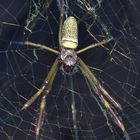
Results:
<point x="67" y="61"/>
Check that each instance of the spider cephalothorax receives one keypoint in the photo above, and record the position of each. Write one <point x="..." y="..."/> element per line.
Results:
<point x="68" y="60"/>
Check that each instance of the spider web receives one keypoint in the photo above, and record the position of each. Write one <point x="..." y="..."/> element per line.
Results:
<point x="24" y="68"/>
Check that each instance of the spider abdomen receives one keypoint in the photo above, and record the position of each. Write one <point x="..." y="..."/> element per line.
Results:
<point x="70" y="33"/>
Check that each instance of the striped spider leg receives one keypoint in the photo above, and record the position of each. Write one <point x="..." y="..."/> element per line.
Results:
<point x="101" y="92"/>
<point x="44" y="91"/>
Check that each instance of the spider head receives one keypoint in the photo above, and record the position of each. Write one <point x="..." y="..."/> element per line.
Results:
<point x="68" y="60"/>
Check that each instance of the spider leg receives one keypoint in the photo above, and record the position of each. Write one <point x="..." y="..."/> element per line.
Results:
<point x="43" y="100"/>
<point x="104" y="41"/>
<point x="33" y="98"/>
<point x="41" y="46"/>
<point x="99" y="90"/>
<point x="107" y="105"/>
<point x="97" y="84"/>
<point x="42" y="107"/>
<point x="110" y="98"/>
<point x="45" y="90"/>
<point x="60" y="28"/>
<point x="60" y="4"/>
<point x="44" y="87"/>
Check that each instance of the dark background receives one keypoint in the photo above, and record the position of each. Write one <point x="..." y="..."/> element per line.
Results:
<point x="19" y="66"/>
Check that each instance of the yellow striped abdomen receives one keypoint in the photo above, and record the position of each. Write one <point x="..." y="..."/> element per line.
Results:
<point x="70" y="33"/>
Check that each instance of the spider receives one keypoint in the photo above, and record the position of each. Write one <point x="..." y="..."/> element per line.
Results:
<point x="67" y="60"/>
